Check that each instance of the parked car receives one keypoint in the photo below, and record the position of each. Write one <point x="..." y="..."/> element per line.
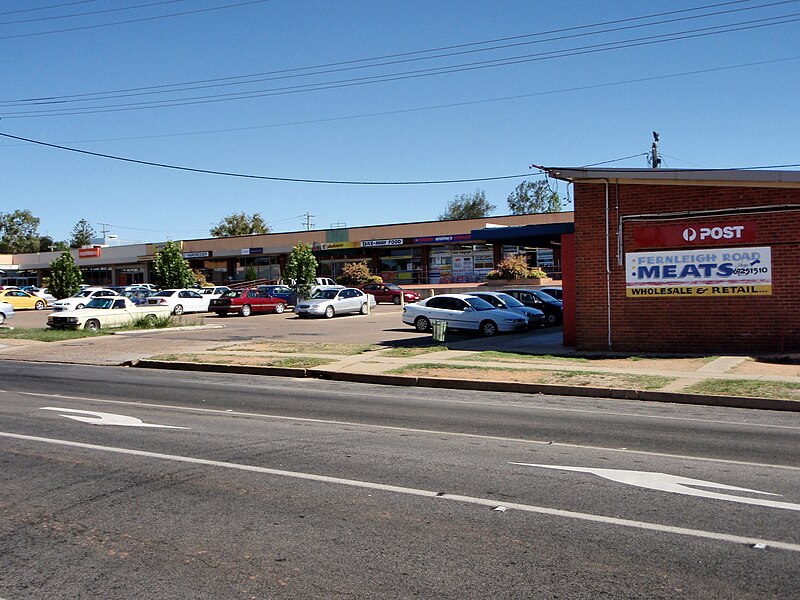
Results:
<point x="390" y="292"/>
<point x="246" y="302"/>
<point x="553" y="309"/>
<point x="554" y="291"/>
<point x="501" y="300"/>
<point x="212" y="291"/>
<point x="285" y="293"/>
<point x="180" y="301"/>
<point x="42" y="293"/>
<point x="79" y="300"/>
<point x="104" y="311"/>
<point x="138" y="295"/>
<point x="21" y="300"/>
<point x="6" y="311"/>
<point x="462" y="311"/>
<point x="330" y="302"/>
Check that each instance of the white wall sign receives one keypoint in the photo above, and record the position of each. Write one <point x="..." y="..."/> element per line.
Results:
<point x="693" y="273"/>
<point x="372" y="243"/>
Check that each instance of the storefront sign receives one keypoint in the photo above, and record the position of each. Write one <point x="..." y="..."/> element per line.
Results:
<point x="695" y="234"/>
<point x="374" y="243"/>
<point x="335" y="245"/>
<point x="692" y="273"/>
<point x="89" y="252"/>
<point x="443" y="239"/>
<point x="205" y="254"/>
<point x="247" y="251"/>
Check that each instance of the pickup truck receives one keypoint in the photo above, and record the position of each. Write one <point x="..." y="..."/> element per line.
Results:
<point x="111" y="311"/>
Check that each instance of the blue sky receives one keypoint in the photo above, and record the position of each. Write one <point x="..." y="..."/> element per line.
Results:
<point x="718" y="99"/>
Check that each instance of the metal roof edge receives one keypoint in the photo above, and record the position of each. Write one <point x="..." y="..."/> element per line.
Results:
<point x="673" y="175"/>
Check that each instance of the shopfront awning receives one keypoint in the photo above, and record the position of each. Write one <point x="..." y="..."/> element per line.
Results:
<point x="545" y="235"/>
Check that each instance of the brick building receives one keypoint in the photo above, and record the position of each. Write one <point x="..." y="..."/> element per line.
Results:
<point x="683" y="260"/>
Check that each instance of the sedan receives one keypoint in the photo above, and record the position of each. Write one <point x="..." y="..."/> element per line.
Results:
<point x="555" y="291"/>
<point x="330" y="302"/>
<point x="390" y="292"/>
<point x="246" y="302"/>
<point x="6" y="311"/>
<point x="553" y="309"/>
<point x="19" y="299"/>
<point x="180" y="301"/>
<point x="462" y="311"/>
<point x="212" y="292"/>
<point x="80" y="299"/>
<point x="535" y="317"/>
<point x="138" y="295"/>
<point x="285" y="293"/>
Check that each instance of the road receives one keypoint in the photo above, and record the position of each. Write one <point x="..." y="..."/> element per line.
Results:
<point x="122" y="483"/>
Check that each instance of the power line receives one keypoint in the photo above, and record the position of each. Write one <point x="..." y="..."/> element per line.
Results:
<point x="24" y="10"/>
<point x="262" y="177"/>
<point x="95" y="12"/>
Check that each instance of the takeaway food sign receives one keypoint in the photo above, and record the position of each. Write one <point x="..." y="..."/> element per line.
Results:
<point x="692" y="273"/>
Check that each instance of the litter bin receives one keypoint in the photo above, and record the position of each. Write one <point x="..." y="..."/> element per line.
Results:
<point x="439" y="330"/>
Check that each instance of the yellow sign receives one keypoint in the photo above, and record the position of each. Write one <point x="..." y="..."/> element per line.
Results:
<point x="703" y="290"/>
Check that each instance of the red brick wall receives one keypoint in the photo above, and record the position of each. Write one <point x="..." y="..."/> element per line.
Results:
<point x="742" y="324"/>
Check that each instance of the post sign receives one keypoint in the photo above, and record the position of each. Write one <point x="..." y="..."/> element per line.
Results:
<point x="696" y="234"/>
<point x="693" y="273"/>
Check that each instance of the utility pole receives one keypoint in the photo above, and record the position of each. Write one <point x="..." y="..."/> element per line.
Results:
<point x="104" y="231"/>
<point x="654" y="159"/>
<point x="308" y="224"/>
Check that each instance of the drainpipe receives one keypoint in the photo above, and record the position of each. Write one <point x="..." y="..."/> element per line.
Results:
<point x="608" y="267"/>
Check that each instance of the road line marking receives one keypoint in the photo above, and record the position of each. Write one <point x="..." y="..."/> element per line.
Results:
<point x="697" y="533"/>
<point x="495" y="438"/>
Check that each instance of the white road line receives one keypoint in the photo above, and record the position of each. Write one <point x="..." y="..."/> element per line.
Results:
<point x="495" y="438"/>
<point x="697" y="533"/>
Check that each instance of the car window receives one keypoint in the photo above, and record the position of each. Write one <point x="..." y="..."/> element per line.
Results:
<point x="166" y="293"/>
<point x="435" y="302"/>
<point x="493" y="300"/>
<point x="392" y="286"/>
<point x="82" y="294"/>
<point x="545" y="297"/>
<point x="119" y="303"/>
<point x="99" y="303"/>
<point x="479" y="304"/>
<point x="103" y="293"/>
<point x="510" y="301"/>
<point x="324" y="294"/>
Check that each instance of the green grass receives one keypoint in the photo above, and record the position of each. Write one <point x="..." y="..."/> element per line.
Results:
<point x="412" y="351"/>
<point x="748" y="388"/>
<point x="144" y="322"/>
<point x="301" y="347"/>
<point x="293" y="362"/>
<point x="48" y="335"/>
<point x="517" y="357"/>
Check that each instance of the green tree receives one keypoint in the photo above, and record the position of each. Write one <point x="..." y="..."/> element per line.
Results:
<point x="301" y="269"/>
<point x="19" y="232"/>
<point x="47" y="244"/>
<point x="82" y="234"/>
<point x="468" y="206"/>
<point x="65" y="276"/>
<point x="240" y="224"/>
<point x="531" y="197"/>
<point x="170" y="269"/>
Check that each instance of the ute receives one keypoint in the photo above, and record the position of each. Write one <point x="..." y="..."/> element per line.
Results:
<point x="113" y="311"/>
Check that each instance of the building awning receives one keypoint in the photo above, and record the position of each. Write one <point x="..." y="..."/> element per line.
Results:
<point x="545" y="235"/>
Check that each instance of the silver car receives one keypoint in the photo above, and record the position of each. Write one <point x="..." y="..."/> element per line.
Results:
<point x="6" y="311"/>
<point x="462" y="311"/>
<point x="330" y="302"/>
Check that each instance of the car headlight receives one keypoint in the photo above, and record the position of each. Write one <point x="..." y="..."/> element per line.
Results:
<point x="72" y="319"/>
<point x="511" y="320"/>
<point x="314" y="306"/>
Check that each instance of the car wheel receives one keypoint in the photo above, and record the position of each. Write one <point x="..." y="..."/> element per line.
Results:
<point x="92" y="325"/>
<point x="329" y="312"/>
<point x="80" y="306"/>
<point x="178" y="310"/>
<point x="364" y="309"/>
<point x="551" y="319"/>
<point x="422" y="324"/>
<point x="39" y="305"/>
<point x="246" y="310"/>
<point x="396" y="300"/>
<point x="279" y="308"/>
<point x="2" y="318"/>
<point x="488" y="328"/>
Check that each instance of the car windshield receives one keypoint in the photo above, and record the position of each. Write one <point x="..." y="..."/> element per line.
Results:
<point x="325" y="294"/>
<point x="479" y="304"/>
<point x="392" y="286"/>
<point x="82" y="294"/>
<point x="100" y="303"/>
<point x="510" y="301"/>
<point x="232" y="294"/>
<point x="544" y="297"/>
<point x="166" y="293"/>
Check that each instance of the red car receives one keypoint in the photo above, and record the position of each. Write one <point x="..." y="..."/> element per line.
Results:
<point x="246" y="302"/>
<point x="390" y="292"/>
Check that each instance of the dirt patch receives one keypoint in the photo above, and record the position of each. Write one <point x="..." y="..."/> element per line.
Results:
<point x="299" y="348"/>
<point x="671" y="365"/>
<point x="754" y="367"/>
<point x="301" y="362"/>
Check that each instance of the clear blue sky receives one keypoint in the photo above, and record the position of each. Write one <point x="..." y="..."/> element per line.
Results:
<point x="573" y="98"/>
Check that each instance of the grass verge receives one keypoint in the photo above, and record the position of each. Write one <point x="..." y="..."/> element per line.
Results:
<point x="294" y="362"/>
<point x="412" y="351"/>
<point x="301" y="347"/>
<point x="749" y="388"/>
<point x="48" y="335"/>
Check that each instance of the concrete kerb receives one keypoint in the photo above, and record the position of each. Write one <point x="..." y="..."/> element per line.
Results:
<point x="485" y="386"/>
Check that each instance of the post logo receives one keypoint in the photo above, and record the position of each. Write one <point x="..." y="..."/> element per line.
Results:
<point x="690" y="234"/>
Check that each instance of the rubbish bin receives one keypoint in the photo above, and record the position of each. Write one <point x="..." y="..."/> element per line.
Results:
<point x="439" y="330"/>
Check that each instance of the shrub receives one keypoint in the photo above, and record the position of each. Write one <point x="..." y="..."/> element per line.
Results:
<point x="515" y="267"/>
<point x="356" y="274"/>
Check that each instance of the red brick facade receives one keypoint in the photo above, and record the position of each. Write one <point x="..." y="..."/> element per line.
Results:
<point x="733" y="324"/>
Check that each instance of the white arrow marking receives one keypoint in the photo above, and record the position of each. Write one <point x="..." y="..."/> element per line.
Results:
<point x="100" y="418"/>
<point x="675" y="484"/>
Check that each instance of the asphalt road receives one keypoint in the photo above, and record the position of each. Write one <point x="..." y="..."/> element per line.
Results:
<point x="217" y="486"/>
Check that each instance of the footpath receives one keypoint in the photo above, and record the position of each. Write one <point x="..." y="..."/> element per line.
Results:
<point x="495" y="364"/>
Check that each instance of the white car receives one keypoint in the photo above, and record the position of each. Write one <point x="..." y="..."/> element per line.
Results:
<point x="330" y="302"/>
<point x="462" y="311"/>
<point x="102" y="312"/>
<point x="80" y="299"/>
<point x="213" y="292"/>
<point x="43" y="294"/>
<point x="6" y="311"/>
<point x="180" y="301"/>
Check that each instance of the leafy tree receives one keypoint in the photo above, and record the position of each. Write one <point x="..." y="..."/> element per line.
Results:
<point x="82" y="234"/>
<point x="65" y="276"/>
<point x="301" y="269"/>
<point x="240" y="224"/>
<point x="533" y="197"/>
<point x="468" y="206"/>
<point x="357" y="273"/>
<point x="170" y="269"/>
<point x="19" y="232"/>
<point x="46" y="244"/>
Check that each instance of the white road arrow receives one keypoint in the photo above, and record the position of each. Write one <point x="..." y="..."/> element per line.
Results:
<point x="101" y="418"/>
<point x="675" y="484"/>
